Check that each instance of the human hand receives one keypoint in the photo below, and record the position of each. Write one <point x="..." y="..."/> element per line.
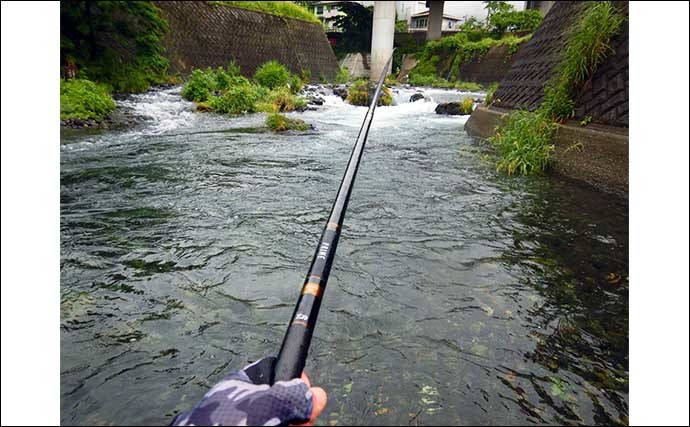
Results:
<point x="236" y="400"/>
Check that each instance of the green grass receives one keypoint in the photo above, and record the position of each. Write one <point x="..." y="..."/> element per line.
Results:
<point x="85" y="100"/>
<point x="285" y="9"/>
<point x="342" y="76"/>
<point x="524" y="142"/>
<point x="280" y="100"/>
<point x="358" y="94"/>
<point x="490" y="93"/>
<point x="466" y="106"/>
<point x="439" y="82"/>
<point x="272" y="74"/>
<point x="588" y="44"/>
<point x="525" y="139"/>
<point x="237" y="99"/>
<point x="444" y="57"/>
<point x="280" y="123"/>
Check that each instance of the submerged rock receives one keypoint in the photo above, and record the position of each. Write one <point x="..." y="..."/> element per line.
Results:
<point x="455" y="108"/>
<point x="416" y="97"/>
<point x="341" y="91"/>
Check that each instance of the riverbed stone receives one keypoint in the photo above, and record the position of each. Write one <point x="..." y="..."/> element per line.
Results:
<point x="416" y="97"/>
<point x="450" y="108"/>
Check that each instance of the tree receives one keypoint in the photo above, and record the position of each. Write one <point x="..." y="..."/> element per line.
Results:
<point x="493" y="7"/>
<point x="114" y="42"/>
<point x="355" y="23"/>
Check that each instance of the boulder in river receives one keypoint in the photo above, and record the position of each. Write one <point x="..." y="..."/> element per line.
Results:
<point x="341" y="91"/>
<point x="455" y="108"/>
<point x="416" y="97"/>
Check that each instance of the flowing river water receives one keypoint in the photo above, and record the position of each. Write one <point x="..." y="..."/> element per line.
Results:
<point x="458" y="295"/>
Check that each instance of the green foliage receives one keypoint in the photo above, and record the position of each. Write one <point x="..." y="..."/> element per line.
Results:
<point x="342" y="76"/>
<point x="237" y="99"/>
<point x="524" y="142"/>
<point x="286" y="9"/>
<point x="439" y="82"/>
<point x="513" y="20"/>
<point x="358" y="94"/>
<point x="280" y="123"/>
<point x="466" y="106"/>
<point x="226" y="91"/>
<point x="84" y="99"/>
<point x="272" y="74"/>
<point x="390" y="80"/>
<point x="113" y="42"/>
<point x="588" y="44"/>
<point x="474" y="29"/>
<point x="468" y="86"/>
<point x="587" y="120"/>
<point x="296" y="84"/>
<point x="461" y="49"/>
<point x="224" y="78"/>
<point x="401" y="26"/>
<point x="199" y="86"/>
<point x="493" y="7"/>
<point x="280" y="100"/>
<point x="490" y="93"/>
<point x="356" y="23"/>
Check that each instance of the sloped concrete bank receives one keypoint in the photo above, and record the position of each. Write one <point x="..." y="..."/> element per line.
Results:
<point x="594" y="154"/>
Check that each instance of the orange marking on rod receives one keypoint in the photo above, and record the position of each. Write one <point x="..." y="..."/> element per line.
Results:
<point x="332" y="226"/>
<point x="299" y="322"/>
<point x="312" y="288"/>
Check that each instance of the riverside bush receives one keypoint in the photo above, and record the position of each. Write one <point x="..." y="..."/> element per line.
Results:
<point x="200" y="85"/>
<point x="272" y="74"/>
<point x="237" y="99"/>
<point x="342" y="76"/>
<point x="358" y="94"/>
<point x="84" y="99"/>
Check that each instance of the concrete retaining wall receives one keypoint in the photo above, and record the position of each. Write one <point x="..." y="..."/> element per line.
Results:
<point x="205" y="35"/>
<point x="595" y="154"/>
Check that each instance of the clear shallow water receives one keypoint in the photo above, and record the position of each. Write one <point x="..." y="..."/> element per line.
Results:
<point x="458" y="295"/>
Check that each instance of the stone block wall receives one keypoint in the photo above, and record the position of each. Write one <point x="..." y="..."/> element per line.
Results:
<point x="604" y="96"/>
<point x="202" y="35"/>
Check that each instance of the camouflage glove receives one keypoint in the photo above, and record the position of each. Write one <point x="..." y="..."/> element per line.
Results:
<point x="240" y="399"/>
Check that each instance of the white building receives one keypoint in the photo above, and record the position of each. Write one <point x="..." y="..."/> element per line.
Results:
<point x="455" y="9"/>
<point x="327" y="10"/>
<point x="420" y="22"/>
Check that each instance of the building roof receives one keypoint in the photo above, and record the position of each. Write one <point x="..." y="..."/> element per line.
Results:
<point x="426" y="13"/>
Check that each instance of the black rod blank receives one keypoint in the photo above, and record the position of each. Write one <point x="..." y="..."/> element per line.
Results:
<point x="293" y="351"/>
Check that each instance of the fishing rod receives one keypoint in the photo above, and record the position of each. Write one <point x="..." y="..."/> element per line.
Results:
<point x="293" y="352"/>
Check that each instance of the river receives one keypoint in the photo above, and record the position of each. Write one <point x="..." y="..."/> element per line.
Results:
<point x="458" y="295"/>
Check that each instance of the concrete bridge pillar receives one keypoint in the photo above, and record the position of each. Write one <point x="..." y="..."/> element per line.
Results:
<point x="382" y="37"/>
<point x="435" y="24"/>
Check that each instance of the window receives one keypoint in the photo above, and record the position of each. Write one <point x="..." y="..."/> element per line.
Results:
<point x="319" y="10"/>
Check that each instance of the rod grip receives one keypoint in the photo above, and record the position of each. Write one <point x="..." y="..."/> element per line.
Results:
<point x="293" y="355"/>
